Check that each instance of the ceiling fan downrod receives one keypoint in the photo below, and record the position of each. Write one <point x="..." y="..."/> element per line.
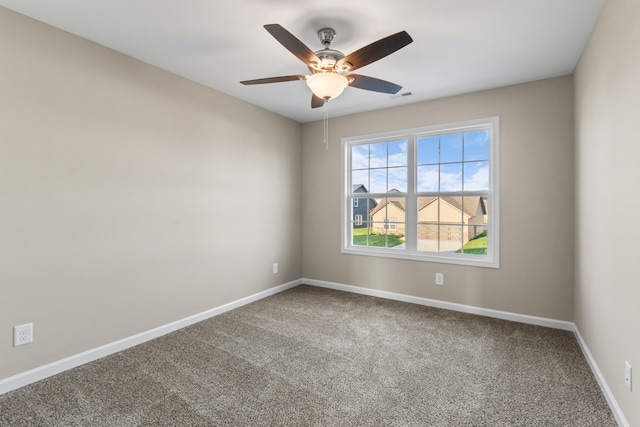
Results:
<point x="326" y="36"/>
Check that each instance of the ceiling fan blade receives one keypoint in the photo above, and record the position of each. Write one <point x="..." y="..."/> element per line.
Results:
<point x="371" y="83"/>
<point x="274" y="79"/>
<point x="376" y="50"/>
<point x="316" y="101"/>
<point x="292" y="44"/>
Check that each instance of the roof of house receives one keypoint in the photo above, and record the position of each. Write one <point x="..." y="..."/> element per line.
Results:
<point x="398" y="202"/>
<point x="469" y="208"/>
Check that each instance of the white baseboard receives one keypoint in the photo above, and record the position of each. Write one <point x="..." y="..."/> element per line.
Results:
<point x="611" y="400"/>
<point x="515" y="317"/>
<point x="42" y="372"/>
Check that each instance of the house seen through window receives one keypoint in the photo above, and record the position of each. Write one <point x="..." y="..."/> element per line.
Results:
<point x="426" y="194"/>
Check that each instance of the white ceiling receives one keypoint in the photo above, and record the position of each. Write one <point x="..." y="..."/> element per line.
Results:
<point x="459" y="46"/>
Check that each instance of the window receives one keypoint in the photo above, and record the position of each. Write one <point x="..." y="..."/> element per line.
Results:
<point x="432" y="194"/>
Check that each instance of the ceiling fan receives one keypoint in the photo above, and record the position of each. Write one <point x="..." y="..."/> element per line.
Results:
<point x="331" y="69"/>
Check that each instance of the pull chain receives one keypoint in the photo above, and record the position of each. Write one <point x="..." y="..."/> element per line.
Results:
<point x="326" y="125"/>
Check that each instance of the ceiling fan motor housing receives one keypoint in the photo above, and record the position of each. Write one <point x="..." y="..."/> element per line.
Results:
<point x="329" y="57"/>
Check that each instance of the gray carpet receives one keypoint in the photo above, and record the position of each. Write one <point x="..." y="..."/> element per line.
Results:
<point x="318" y="357"/>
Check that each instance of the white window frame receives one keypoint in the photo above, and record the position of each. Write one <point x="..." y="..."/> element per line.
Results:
<point x="357" y="220"/>
<point x="409" y="251"/>
<point x="355" y="203"/>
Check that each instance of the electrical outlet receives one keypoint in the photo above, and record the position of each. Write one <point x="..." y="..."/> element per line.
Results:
<point x="22" y="334"/>
<point x="275" y="267"/>
<point x="439" y="279"/>
<point x="627" y="374"/>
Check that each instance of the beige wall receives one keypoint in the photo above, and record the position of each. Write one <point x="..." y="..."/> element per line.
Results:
<point x="607" y="295"/>
<point x="129" y="197"/>
<point x="536" y="150"/>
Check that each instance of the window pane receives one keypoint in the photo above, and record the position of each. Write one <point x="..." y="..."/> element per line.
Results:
<point x="440" y="224"/>
<point x="360" y="211"/>
<point x="477" y="244"/>
<point x="395" y="208"/>
<point x="378" y="181"/>
<point x="451" y="177"/>
<point x="450" y="237"/>
<point x="395" y="239"/>
<point x="381" y="237"/>
<point x="397" y="152"/>
<point x="378" y="155"/>
<point x="388" y="223"/>
<point x="396" y="221"/>
<point x="377" y="217"/>
<point x="451" y="220"/>
<point x="428" y="149"/>
<point x="476" y="176"/>
<point x="451" y="210"/>
<point x="451" y="148"/>
<point x="360" y="156"/>
<point x="360" y="235"/>
<point x="428" y="178"/>
<point x="428" y="237"/>
<point x="359" y="178"/>
<point x="475" y="233"/>
<point x="360" y="226"/>
<point x="428" y="209"/>
<point x="398" y="179"/>
<point x="428" y="214"/>
<point x="392" y="207"/>
<point x="476" y="145"/>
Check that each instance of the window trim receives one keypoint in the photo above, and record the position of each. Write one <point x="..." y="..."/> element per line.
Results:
<point x="493" y="223"/>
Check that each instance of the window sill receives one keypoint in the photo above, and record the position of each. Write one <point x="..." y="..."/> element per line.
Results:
<point x="459" y="259"/>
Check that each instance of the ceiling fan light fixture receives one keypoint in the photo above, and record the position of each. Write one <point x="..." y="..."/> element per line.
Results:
<point x="327" y="85"/>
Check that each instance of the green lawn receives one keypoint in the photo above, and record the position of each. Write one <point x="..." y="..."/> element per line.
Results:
<point x="477" y="245"/>
<point x="360" y="239"/>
